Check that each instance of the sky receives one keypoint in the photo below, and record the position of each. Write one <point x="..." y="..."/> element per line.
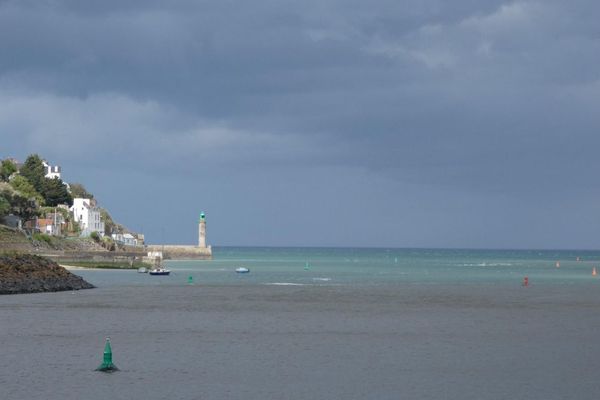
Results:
<point x="387" y="123"/>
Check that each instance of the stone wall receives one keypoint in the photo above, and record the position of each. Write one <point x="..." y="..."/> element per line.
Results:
<point x="181" y="252"/>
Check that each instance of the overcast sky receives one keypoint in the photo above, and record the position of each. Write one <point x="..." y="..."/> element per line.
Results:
<point x="416" y="123"/>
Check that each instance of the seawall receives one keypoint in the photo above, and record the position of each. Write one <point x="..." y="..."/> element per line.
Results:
<point x="182" y="252"/>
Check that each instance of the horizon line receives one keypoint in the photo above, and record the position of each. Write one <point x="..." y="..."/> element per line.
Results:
<point x="383" y="247"/>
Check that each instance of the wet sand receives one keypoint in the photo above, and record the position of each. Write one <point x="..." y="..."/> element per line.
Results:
<point x="287" y="342"/>
<point x="76" y="268"/>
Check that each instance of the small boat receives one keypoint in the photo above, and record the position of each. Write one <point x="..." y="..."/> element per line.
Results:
<point x="143" y="270"/>
<point x="158" y="268"/>
<point x="242" y="270"/>
<point x="159" y="271"/>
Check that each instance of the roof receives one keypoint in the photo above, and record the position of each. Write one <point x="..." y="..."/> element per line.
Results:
<point x="44" y="221"/>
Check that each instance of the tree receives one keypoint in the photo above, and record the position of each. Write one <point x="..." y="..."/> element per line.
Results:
<point x="26" y="189"/>
<point x="110" y="226"/>
<point x="34" y="171"/>
<point x="78" y="190"/>
<point x="55" y="192"/>
<point x="4" y="206"/>
<point x="24" y="207"/>
<point x="7" y="169"/>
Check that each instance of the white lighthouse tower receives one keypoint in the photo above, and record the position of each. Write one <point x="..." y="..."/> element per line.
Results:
<point x="202" y="231"/>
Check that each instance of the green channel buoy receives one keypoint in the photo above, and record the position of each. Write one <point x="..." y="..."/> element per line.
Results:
<point x="190" y="280"/>
<point x="107" y="364"/>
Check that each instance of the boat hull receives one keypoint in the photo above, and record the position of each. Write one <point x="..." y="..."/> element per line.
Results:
<point x="159" y="273"/>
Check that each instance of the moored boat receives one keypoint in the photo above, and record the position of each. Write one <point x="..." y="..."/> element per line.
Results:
<point x="159" y="271"/>
<point x="242" y="270"/>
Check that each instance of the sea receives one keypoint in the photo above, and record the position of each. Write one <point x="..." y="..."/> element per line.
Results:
<point x="369" y="267"/>
<point x="316" y="323"/>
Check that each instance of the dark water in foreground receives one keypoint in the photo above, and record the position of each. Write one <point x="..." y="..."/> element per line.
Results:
<point x="382" y="326"/>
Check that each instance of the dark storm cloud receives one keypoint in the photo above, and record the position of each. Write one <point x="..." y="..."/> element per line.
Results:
<point x="482" y="96"/>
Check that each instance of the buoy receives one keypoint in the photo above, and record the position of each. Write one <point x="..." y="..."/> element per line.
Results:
<point x="107" y="364"/>
<point x="526" y="281"/>
<point x="558" y="264"/>
<point x="190" y="280"/>
<point x="306" y="266"/>
<point x="594" y="271"/>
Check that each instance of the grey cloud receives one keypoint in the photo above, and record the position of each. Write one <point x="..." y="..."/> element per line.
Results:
<point x="480" y="97"/>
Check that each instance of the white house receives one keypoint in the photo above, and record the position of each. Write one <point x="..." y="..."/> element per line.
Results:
<point x="52" y="171"/>
<point x="127" y="239"/>
<point x="88" y="216"/>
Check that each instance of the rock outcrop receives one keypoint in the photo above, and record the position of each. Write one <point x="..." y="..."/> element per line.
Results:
<point x="27" y="273"/>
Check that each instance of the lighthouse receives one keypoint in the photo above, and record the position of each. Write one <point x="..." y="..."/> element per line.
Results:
<point x="202" y="231"/>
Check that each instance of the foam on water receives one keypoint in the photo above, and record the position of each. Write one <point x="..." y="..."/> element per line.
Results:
<point x="284" y="284"/>
<point x="367" y="267"/>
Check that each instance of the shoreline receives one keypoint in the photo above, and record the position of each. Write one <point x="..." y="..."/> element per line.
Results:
<point x="76" y="268"/>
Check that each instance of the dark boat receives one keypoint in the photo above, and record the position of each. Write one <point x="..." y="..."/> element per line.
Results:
<point x="159" y="271"/>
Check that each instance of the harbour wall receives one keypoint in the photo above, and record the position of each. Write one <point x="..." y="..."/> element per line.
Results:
<point x="182" y="252"/>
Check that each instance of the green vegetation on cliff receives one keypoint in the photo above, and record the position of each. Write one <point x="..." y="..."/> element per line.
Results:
<point x="13" y="239"/>
<point x="7" y="168"/>
<point x="53" y="190"/>
<point x="78" y="190"/>
<point x="27" y="193"/>
<point x="23" y="192"/>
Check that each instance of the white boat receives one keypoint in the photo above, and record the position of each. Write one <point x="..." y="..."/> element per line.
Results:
<point x="159" y="271"/>
<point x="143" y="270"/>
<point x="158" y="268"/>
<point x="242" y="270"/>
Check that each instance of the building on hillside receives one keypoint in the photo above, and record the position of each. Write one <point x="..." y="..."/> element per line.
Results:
<point x="87" y="215"/>
<point x="140" y="239"/>
<point x="12" y="221"/>
<point x="126" y="239"/>
<point x="52" y="171"/>
<point x="59" y="225"/>
<point x="46" y="225"/>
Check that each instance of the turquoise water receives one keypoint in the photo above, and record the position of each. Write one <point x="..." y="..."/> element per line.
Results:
<point x="360" y="266"/>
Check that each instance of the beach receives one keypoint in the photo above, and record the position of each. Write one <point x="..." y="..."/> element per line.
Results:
<point x="299" y="342"/>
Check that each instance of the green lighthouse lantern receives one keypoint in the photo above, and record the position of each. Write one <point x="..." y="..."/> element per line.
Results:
<point x="202" y="216"/>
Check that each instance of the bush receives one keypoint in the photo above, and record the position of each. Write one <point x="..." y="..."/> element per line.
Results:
<point x="4" y="206"/>
<point x="42" y="237"/>
<point x="108" y="243"/>
<point x="7" y="168"/>
<point x="95" y="236"/>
